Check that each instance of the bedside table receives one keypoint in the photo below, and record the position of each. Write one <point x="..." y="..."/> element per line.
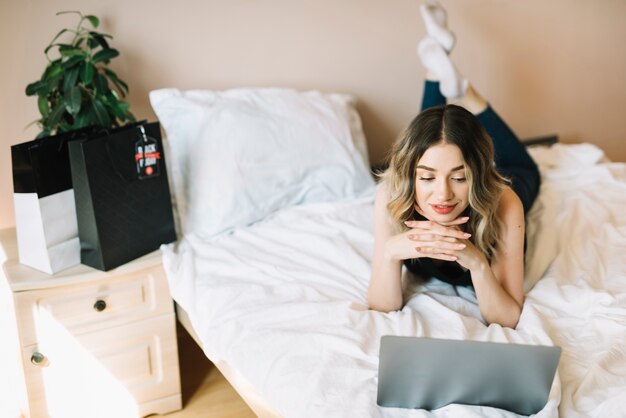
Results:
<point x="87" y="343"/>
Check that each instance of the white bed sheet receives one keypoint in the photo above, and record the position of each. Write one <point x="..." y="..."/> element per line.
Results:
<point x="284" y="300"/>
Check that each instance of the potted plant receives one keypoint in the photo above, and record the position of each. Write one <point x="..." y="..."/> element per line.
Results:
<point x="77" y="89"/>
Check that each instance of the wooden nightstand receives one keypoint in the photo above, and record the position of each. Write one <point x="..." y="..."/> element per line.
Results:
<point x="90" y="343"/>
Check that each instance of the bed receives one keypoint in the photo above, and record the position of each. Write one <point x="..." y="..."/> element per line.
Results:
<point x="274" y="201"/>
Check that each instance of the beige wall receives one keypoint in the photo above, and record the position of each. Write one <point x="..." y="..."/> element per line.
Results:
<point x="554" y="66"/>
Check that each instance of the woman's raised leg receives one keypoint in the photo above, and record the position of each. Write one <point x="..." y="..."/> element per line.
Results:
<point x="511" y="157"/>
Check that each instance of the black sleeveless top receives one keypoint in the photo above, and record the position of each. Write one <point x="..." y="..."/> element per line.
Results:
<point x="447" y="271"/>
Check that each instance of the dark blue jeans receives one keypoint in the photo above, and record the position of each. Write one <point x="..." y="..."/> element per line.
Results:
<point x="511" y="157"/>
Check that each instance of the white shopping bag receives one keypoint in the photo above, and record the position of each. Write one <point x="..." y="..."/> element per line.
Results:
<point x="45" y="213"/>
<point x="47" y="231"/>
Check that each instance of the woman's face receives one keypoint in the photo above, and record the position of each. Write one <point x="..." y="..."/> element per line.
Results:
<point x="441" y="187"/>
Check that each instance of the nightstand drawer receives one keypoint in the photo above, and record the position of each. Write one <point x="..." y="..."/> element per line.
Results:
<point x="94" y="306"/>
<point x="110" y="372"/>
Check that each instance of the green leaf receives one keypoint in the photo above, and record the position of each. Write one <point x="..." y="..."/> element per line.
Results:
<point x="35" y="88"/>
<point x="105" y="55"/>
<point x="104" y="98"/>
<point x="102" y="116"/>
<point x="64" y="12"/>
<point x="70" y="79"/>
<point x="121" y="86"/>
<point x="55" y="116"/>
<point x="116" y="106"/>
<point x="101" y="83"/>
<point x="53" y="71"/>
<point x="95" y="22"/>
<point x="32" y="123"/>
<point x="43" y="134"/>
<point x="44" y="107"/>
<point x="72" y="61"/>
<point x="64" y="126"/>
<point x="64" y="47"/>
<point x="72" y="52"/>
<point x="73" y="98"/>
<point x="104" y="35"/>
<point x="52" y="88"/>
<point x="126" y="115"/>
<point x="57" y="35"/>
<point x="123" y="105"/>
<point x="118" y="112"/>
<point x="92" y="43"/>
<point x="82" y="119"/>
<point x="99" y="38"/>
<point x="60" y="48"/>
<point x="86" y="72"/>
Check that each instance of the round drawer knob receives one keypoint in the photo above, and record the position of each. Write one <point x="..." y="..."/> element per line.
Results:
<point x="39" y="359"/>
<point x="100" y="305"/>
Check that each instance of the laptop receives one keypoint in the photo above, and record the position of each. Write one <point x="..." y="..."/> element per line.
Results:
<point x="429" y="373"/>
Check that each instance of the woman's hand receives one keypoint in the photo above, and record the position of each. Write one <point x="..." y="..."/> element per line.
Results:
<point x="445" y="242"/>
<point x="428" y="239"/>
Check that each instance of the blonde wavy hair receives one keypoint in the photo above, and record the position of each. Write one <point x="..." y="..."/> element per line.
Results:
<point x="453" y="125"/>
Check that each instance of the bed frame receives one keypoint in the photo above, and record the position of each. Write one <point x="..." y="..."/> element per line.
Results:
<point x="248" y="393"/>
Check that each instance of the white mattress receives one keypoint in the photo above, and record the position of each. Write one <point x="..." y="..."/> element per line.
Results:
<point x="284" y="300"/>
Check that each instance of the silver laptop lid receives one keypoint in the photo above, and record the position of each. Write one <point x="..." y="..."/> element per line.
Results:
<point x="429" y="373"/>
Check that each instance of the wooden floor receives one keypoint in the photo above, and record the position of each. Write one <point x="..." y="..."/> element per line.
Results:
<point x="206" y="393"/>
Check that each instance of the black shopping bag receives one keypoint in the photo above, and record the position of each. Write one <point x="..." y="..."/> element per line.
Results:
<point x="45" y="214"/>
<point x="122" y="195"/>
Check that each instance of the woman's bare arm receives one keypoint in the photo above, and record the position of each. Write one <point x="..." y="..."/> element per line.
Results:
<point x="500" y="286"/>
<point x="385" y="287"/>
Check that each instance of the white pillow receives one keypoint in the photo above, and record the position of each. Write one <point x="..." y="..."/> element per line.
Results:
<point x="236" y="156"/>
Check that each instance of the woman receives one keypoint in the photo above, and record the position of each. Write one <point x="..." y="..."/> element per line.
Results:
<point x="443" y="209"/>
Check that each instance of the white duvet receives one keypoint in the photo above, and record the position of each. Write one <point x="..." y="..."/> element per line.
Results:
<point x="284" y="300"/>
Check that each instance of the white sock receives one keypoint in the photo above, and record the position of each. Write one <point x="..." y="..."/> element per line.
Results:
<point x="451" y="84"/>
<point x="436" y="22"/>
